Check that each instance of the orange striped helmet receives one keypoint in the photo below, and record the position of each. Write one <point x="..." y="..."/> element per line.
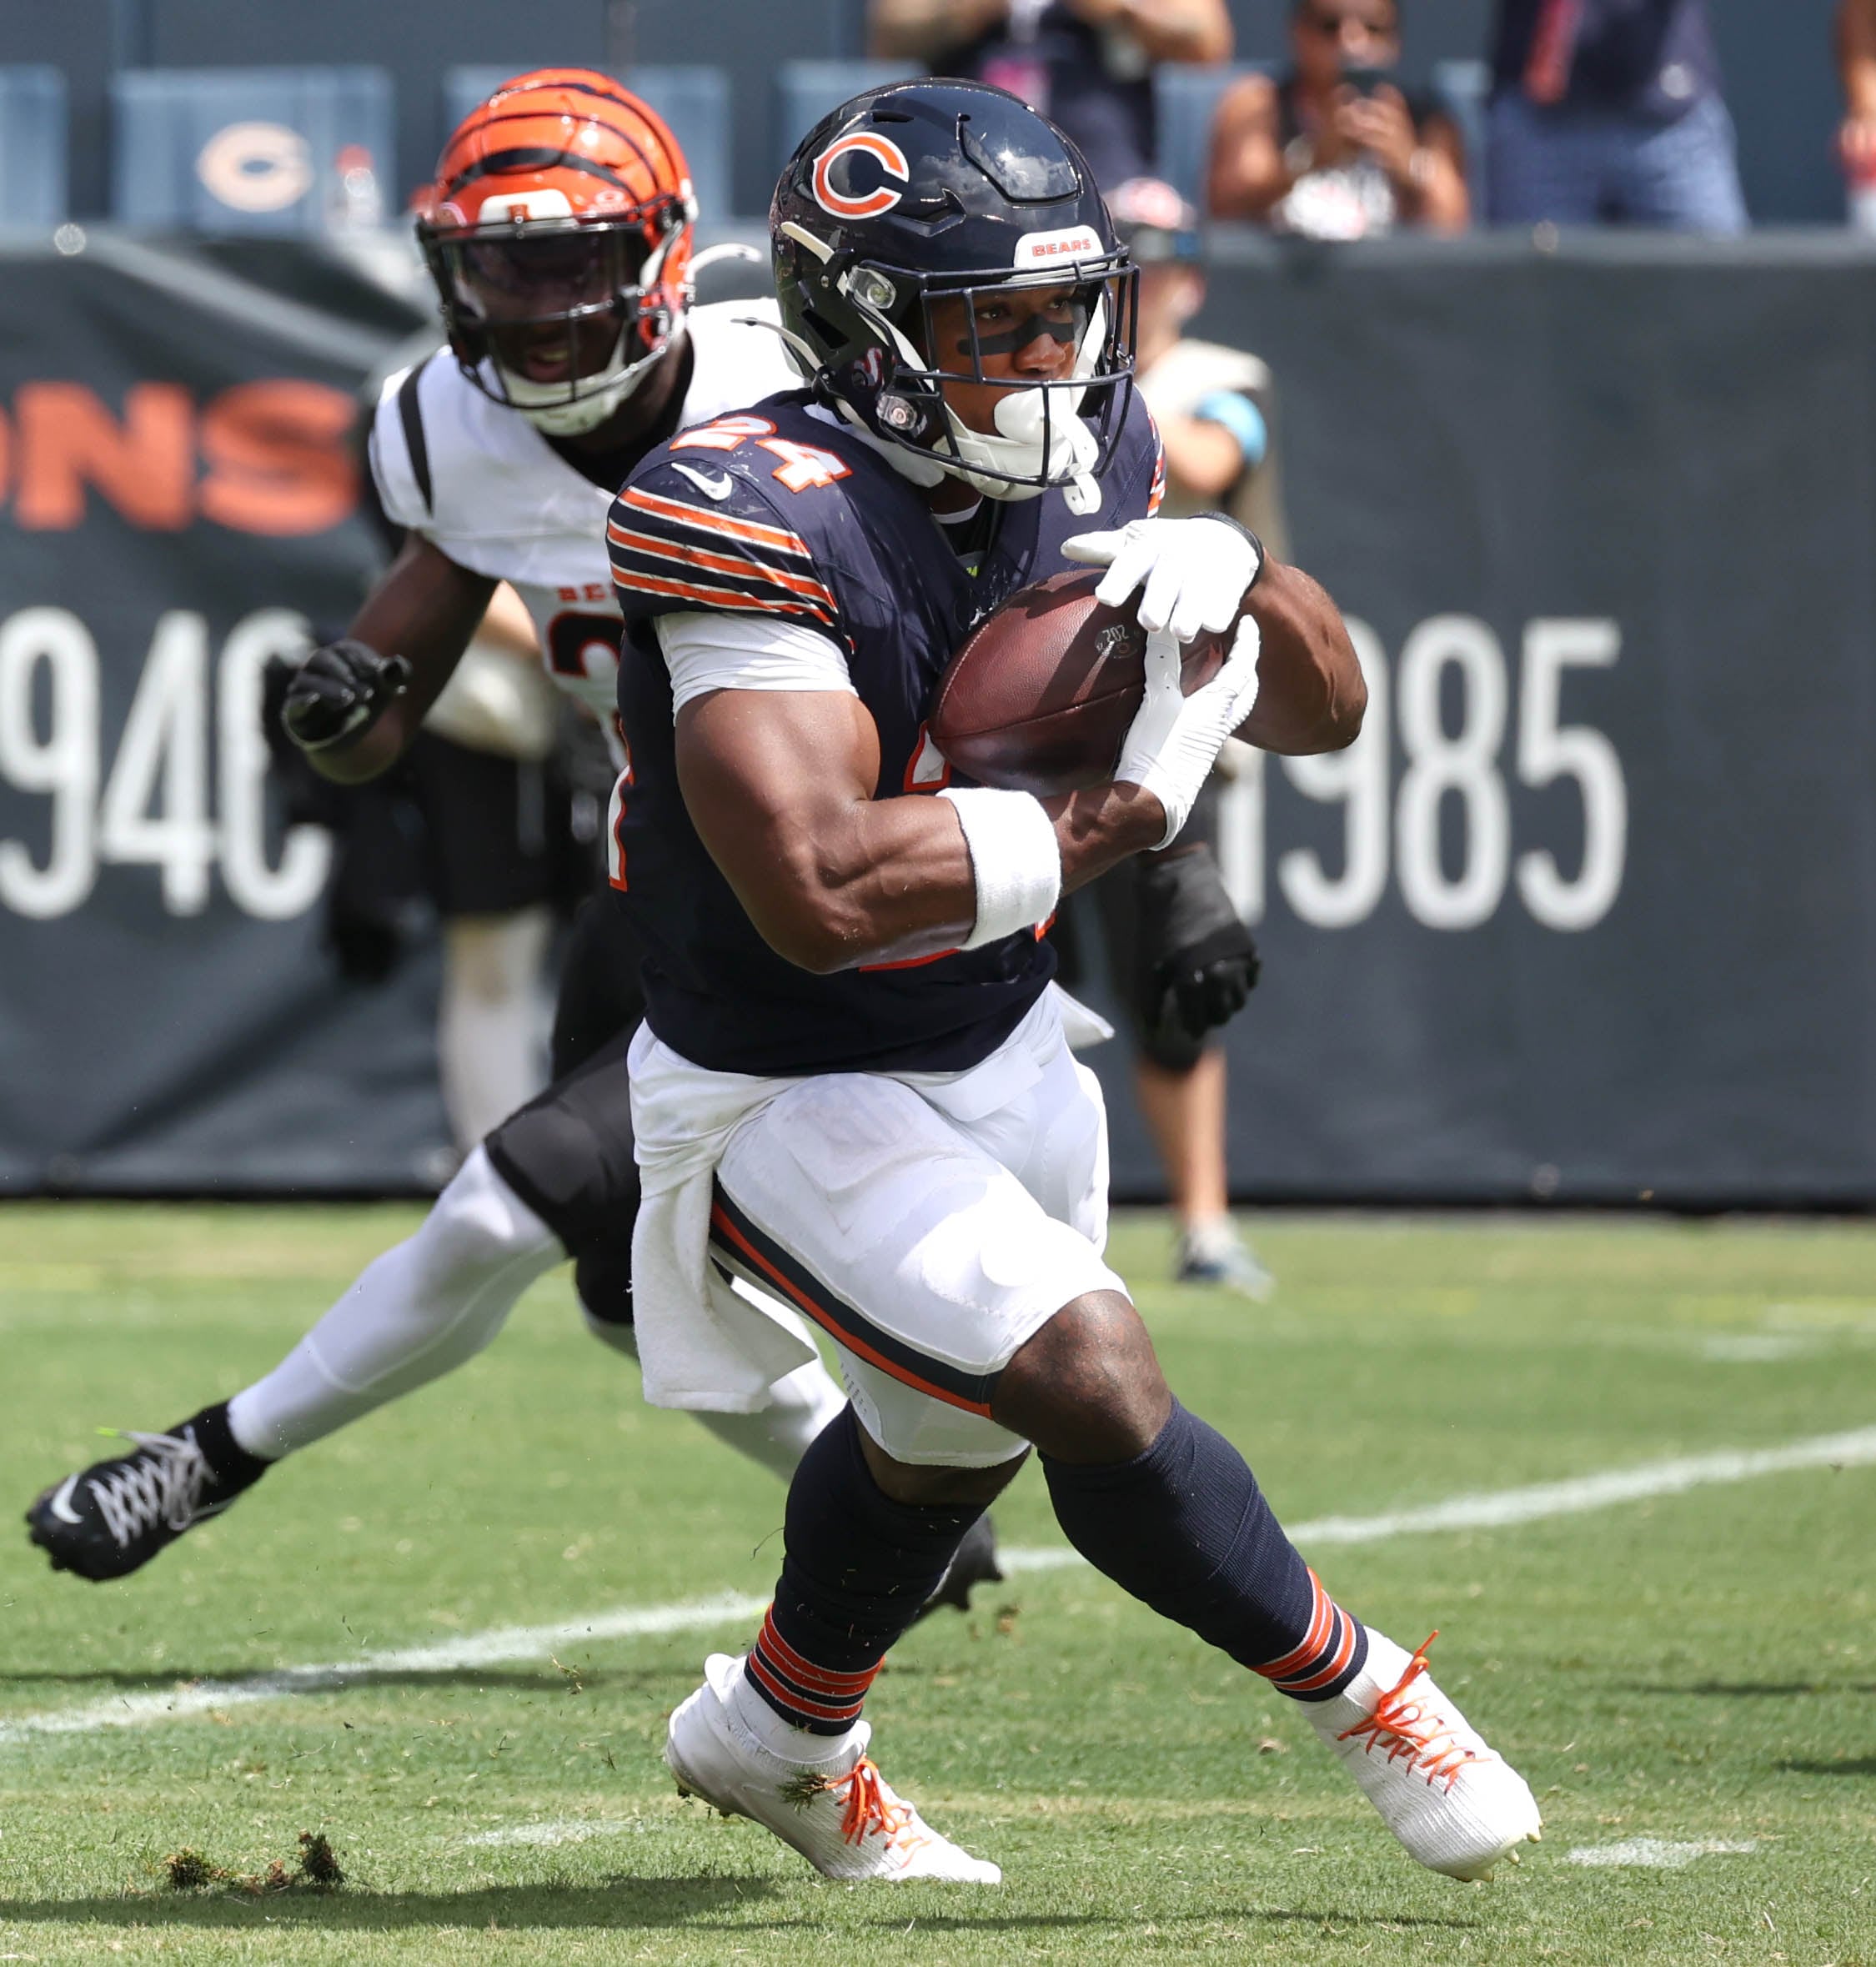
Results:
<point x="559" y="233"/>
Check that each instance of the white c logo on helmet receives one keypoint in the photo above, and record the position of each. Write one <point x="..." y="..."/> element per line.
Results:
<point x="891" y="159"/>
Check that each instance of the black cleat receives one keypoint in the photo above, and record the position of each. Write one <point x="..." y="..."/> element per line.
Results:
<point x="974" y="1564"/>
<point x="113" y="1518"/>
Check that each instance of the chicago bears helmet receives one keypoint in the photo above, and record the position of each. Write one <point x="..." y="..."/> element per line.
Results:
<point x="557" y="232"/>
<point x="921" y="190"/>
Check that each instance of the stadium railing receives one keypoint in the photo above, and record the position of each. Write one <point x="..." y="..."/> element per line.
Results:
<point x="281" y="151"/>
<point x="33" y="120"/>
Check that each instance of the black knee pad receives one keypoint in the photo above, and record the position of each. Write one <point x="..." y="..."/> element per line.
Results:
<point x="1182" y="960"/>
<point x="603" y="1277"/>
<point x="568" y="1156"/>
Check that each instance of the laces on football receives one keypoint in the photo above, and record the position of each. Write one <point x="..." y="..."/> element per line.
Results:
<point x="1409" y="1732"/>
<point x="162" y="1483"/>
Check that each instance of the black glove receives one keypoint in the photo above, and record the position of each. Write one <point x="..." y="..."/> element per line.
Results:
<point x="338" y="691"/>
<point x="1208" y="985"/>
<point x="1206" y="965"/>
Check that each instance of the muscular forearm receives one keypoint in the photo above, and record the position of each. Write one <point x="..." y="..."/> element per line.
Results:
<point x="425" y="609"/>
<point x="1311" y="696"/>
<point x="779" y="786"/>
<point x="891" y="879"/>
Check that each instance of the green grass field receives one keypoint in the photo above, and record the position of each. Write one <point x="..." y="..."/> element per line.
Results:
<point x="1674" y="1674"/>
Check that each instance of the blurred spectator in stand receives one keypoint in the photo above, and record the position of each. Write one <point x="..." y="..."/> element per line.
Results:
<point x="1856" y="139"/>
<point x="1087" y="64"/>
<point x="1213" y="404"/>
<point x="1610" y="112"/>
<point x="1333" y="150"/>
<point x="1178" y="956"/>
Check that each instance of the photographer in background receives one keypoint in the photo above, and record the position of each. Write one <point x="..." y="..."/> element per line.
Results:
<point x="1178" y="956"/>
<point x="1085" y="64"/>
<point x="1333" y="150"/>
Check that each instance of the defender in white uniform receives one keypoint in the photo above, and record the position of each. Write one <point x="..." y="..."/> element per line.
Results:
<point x="495" y="496"/>
<point x="574" y="349"/>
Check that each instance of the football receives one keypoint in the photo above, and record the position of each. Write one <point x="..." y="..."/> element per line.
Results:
<point x="1039" y="699"/>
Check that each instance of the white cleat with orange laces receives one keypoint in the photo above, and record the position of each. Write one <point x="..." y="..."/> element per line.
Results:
<point x="840" y="1815"/>
<point x="1456" y="1805"/>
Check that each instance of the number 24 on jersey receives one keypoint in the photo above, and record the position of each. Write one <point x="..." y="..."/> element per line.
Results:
<point x="803" y="466"/>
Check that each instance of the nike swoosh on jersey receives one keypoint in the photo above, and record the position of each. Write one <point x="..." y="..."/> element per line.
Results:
<point x="61" y="1504"/>
<point x="717" y="488"/>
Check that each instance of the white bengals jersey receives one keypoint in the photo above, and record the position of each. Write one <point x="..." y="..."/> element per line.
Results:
<point x="489" y="491"/>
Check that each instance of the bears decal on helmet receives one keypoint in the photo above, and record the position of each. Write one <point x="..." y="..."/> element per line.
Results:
<point x="871" y="204"/>
<point x="945" y="200"/>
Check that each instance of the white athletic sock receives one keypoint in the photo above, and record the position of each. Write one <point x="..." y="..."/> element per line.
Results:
<point x="489" y="1025"/>
<point x="414" y="1314"/>
<point x="777" y="1437"/>
<point x="780" y="1737"/>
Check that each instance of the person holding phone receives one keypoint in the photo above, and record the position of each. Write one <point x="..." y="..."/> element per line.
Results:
<point x="1334" y="150"/>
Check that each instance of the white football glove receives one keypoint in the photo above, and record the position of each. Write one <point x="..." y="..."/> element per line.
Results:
<point x="1196" y="571"/>
<point x="1174" y="739"/>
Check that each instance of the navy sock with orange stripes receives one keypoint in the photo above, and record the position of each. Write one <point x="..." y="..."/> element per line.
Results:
<point x="858" y="1569"/>
<point x="1185" y="1529"/>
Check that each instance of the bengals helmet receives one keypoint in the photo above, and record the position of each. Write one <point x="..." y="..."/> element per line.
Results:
<point x="558" y="234"/>
<point x="927" y="193"/>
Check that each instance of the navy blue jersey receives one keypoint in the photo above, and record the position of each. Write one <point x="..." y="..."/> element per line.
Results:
<point x="779" y="512"/>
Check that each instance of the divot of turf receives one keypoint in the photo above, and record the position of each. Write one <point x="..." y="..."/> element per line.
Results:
<point x="316" y="1869"/>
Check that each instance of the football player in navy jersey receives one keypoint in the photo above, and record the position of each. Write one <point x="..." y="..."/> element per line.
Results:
<point x="852" y="1086"/>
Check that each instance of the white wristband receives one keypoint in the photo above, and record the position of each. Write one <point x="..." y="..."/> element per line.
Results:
<point x="1014" y="859"/>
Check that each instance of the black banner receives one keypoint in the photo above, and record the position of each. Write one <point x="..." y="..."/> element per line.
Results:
<point x="1589" y="913"/>
<point x="180" y="503"/>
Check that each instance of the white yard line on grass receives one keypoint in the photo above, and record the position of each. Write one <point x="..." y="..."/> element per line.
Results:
<point x="1654" y="1854"/>
<point x="1496" y="1509"/>
<point x="561" y="1830"/>
<point x="493" y="1648"/>
<point x="1492" y="1510"/>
